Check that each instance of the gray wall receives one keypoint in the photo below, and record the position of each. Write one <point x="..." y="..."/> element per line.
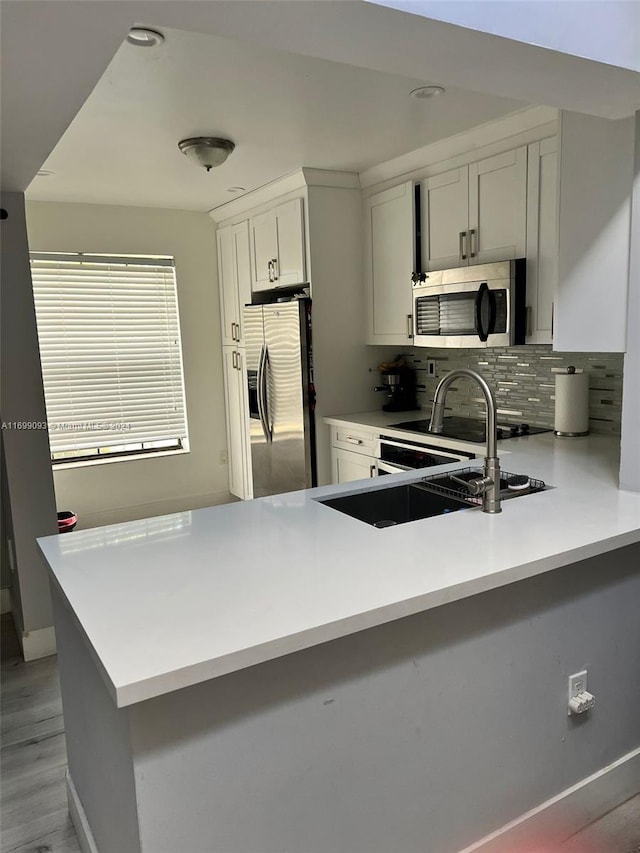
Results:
<point x="424" y="734"/>
<point x="27" y="463"/>
<point x="523" y="381"/>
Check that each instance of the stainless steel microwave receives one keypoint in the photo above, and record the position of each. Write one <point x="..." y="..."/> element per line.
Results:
<point x="475" y="306"/>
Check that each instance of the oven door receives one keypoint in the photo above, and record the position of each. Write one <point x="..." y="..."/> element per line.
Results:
<point x="395" y="456"/>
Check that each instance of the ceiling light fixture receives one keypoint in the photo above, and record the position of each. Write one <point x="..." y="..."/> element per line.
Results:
<point x="144" y="37"/>
<point x="423" y="92"/>
<point x="207" y="151"/>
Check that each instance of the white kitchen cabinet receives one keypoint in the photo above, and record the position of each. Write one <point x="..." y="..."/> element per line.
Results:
<point x="476" y="214"/>
<point x="542" y="239"/>
<point x="237" y="417"/>
<point x="445" y="206"/>
<point x="595" y="169"/>
<point x="353" y="453"/>
<point x="389" y="264"/>
<point x="347" y="466"/>
<point x="234" y="277"/>
<point x="278" y="250"/>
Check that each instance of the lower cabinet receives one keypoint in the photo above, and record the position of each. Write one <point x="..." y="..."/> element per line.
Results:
<point x="347" y="465"/>
<point x="352" y="453"/>
<point x="237" y="415"/>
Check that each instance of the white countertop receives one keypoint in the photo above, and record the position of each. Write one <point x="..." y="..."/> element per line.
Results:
<point x="171" y="601"/>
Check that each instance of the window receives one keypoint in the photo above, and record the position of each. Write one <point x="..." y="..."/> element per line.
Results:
<point x="111" y="356"/>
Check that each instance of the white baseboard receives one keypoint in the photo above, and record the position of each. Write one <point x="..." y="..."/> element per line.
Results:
<point x="5" y="600"/>
<point x="570" y="811"/>
<point x="38" y="644"/>
<point x="79" y="818"/>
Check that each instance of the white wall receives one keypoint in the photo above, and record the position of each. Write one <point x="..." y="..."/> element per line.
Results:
<point x="630" y="446"/>
<point x="607" y="31"/>
<point x="122" y="490"/>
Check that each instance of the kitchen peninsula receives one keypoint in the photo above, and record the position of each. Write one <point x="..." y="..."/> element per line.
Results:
<point x="276" y="676"/>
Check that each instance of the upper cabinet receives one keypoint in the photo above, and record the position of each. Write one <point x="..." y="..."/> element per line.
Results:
<point x="389" y="264"/>
<point x="595" y="171"/>
<point x="234" y="277"/>
<point x="542" y="239"/>
<point x="278" y="249"/>
<point x="476" y="214"/>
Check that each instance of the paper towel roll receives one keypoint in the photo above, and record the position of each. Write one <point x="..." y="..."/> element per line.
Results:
<point x="572" y="404"/>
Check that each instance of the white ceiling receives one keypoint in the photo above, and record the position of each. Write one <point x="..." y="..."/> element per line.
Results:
<point x="282" y="110"/>
<point x="53" y="53"/>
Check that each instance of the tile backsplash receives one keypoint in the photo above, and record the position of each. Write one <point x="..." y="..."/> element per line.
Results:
<point x="523" y="382"/>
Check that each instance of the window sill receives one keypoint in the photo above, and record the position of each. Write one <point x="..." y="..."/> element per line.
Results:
<point x="87" y="463"/>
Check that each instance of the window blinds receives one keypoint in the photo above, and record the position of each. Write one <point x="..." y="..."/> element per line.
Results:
<point x="110" y="349"/>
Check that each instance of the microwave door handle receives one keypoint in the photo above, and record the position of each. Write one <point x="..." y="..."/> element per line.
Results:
<point x="485" y="293"/>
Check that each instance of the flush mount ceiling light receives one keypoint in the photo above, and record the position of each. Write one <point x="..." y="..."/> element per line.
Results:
<point x="207" y="151"/>
<point x="423" y="92"/>
<point x="144" y="37"/>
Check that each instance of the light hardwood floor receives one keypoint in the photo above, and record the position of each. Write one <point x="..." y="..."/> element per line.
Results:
<point x="33" y="761"/>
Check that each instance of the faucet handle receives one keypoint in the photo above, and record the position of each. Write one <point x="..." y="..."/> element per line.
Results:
<point x="477" y="486"/>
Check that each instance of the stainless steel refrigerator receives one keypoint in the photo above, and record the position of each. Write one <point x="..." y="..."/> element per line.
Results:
<point x="281" y="396"/>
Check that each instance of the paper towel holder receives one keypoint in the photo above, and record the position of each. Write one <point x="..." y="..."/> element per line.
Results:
<point x="577" y="421"/>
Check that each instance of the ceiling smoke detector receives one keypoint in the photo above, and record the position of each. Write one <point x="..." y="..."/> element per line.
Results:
<point x="144" y="37"/>
<point x="424" y="92"/>
<point x="207" y="151"/>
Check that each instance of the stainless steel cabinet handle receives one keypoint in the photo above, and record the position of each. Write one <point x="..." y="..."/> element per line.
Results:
<point x="270" y="265"/>
<point x="351" y="440"/>
<point x="472" y="234"/>
<point x="462" y="236"/>
<point x="275" y="269"/>
<point x="234" y="359"/>
<point x="372" y="470"/>
<point x="409" y="325"/>
<point x="238" y="361"/>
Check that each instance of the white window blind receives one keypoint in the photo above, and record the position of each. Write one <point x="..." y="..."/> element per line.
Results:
<point x="110" y="348"/>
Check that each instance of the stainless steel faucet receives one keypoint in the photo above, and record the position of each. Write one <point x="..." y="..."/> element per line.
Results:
<point x="489" y="484"/>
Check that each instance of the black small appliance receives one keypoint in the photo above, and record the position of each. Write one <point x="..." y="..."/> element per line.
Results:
<point x="399" y="383"/>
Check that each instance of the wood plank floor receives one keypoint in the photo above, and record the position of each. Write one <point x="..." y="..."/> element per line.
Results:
<point x="33" y="757"/>
<point x="33" y="760"/>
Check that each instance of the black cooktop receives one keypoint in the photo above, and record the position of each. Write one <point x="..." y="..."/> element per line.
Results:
<point x="470" y="429"/>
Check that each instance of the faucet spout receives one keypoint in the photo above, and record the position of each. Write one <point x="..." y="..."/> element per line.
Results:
<point x="491" y="488"/>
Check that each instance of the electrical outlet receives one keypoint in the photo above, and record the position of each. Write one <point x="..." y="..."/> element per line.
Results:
<point x="223" y="457"/>
<point x="580" y="700"/>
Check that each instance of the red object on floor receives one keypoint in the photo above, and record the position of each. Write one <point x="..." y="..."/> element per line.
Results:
<point x="67" y="520"/>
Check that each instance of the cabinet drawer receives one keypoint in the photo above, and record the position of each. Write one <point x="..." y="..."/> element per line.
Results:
<point x="356" y="440"/>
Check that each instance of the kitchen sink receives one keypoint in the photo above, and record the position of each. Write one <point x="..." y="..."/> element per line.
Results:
<point x="396" y="505"/>
<point x="437" y="494"/>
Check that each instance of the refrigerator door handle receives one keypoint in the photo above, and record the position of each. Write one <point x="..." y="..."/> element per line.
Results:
<point x="262" y="392"/>
<point x="267" y="426"/>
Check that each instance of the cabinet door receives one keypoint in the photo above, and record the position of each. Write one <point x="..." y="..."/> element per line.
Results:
<point x="227" y="285"/>
<point x="498" y="207"/>
<point x="542" y="239"/>
<point x="264" y="249"/>
<point x="445" y="215"/>
<point x="238" y="449"/>
<point x="290" y="266"/>
<point x="389" y="261"/>
<point x="347" y="466"/>
<point x="242" y="272"/>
